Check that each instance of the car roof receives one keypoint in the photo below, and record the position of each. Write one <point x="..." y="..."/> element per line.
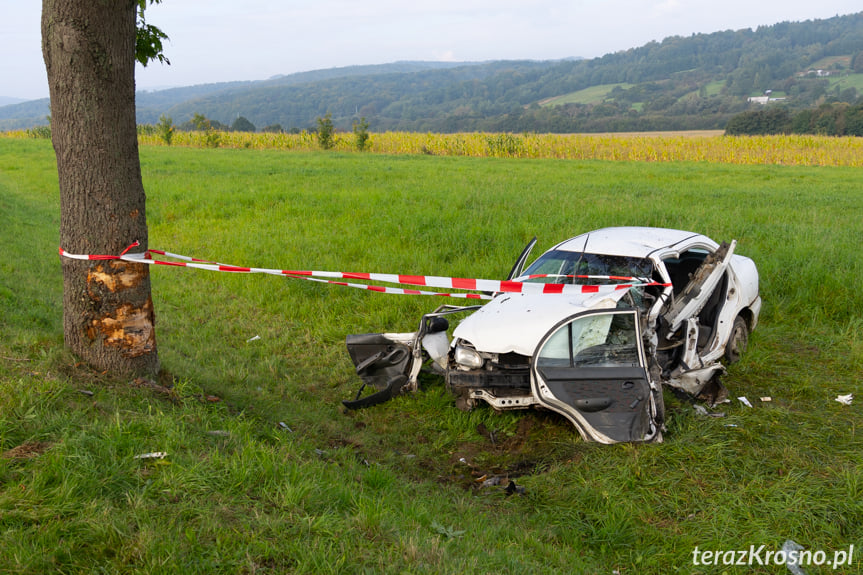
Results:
<point x="631" y="241"/>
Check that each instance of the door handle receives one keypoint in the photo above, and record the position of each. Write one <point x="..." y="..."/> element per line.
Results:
<point x="592" y="404"/>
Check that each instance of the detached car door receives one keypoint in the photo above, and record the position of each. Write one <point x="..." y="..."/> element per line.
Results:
<point x="590" y="368"/>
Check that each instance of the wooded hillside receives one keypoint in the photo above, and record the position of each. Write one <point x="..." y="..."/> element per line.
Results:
<point x="694" y="82"/>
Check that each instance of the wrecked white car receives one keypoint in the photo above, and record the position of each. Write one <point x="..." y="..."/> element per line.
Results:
<point x="600" y="355"/>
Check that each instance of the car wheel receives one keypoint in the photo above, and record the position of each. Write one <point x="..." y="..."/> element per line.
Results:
<point x="737" y="340"/>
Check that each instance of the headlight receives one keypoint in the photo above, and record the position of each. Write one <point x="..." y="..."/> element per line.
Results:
<point x="467" y="357"/>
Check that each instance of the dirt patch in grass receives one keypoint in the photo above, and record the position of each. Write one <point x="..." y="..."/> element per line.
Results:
<point x="497" y="459"/>
<point x="27" y="450"/>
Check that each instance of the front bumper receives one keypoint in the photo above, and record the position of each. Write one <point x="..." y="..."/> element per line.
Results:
<point x="457" y="379"/>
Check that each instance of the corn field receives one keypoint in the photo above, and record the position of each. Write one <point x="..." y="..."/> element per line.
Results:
<point x="714" y="147"/>
<point x="663" y="147"/>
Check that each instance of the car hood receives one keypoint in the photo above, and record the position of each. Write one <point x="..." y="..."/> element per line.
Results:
<point x="516" y="322"/>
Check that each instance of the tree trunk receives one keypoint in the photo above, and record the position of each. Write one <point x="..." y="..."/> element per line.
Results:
<point x="89" y="52"/>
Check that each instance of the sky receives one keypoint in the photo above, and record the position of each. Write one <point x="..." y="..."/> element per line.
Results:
<point x="229" y="40"/>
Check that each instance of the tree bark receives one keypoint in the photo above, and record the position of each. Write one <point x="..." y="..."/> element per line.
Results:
<point x="89" y="52"/>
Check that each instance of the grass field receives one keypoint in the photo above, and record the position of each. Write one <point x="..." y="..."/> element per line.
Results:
<point x="849" y="81"/>
<point x="592" y="95"/>
<point x="395" y="488"/>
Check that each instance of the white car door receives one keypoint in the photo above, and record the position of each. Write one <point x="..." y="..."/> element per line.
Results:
<point x="590" y="368"/>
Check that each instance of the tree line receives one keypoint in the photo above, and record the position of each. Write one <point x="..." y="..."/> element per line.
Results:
<point x="836" y="119"/>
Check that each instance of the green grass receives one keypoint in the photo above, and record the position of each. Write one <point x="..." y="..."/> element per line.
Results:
<point x="592" y="95"/>
<point x="849" y="81"/>
<point x="714" y="88"/>
<point x="384" y="490"/>
<point x="829" y="61"/>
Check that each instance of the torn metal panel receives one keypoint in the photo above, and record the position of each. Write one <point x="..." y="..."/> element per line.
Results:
<point x="700" y="287"/>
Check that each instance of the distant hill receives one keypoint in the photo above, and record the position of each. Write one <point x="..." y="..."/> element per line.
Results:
<point x="178" y="101"/>
<point x="694" y="82"/>
<point x="25" y="114"/>
<point x="152" y="104"/>
<point x="5" y="101"/>
<point x="388" y="99"/>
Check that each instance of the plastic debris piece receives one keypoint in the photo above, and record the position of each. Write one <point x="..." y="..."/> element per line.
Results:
<point x="744" y="401"/>
<point x="701" y="410"/>
<point x="153" y="455"/>
<point x="218" y="433"/>
<point x="730" y="425"/>
<point x="462" y="460"/>
<point x="845" y="399"/>
<point x="793" y="559"/>
<point x="284" y="426"/>
<point x="251" y="339"/>
<point x="86" y="392"/>
<point x="766" y="399"/>
<point x="492" y="481"/>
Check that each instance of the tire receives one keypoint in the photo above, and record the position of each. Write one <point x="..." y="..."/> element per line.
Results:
<point x="738" y="340"/>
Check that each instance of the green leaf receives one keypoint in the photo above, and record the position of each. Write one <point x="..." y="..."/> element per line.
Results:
<point x="148" y="38"/>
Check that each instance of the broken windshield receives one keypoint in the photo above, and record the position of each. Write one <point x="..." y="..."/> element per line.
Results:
<point x="558" y="266"/>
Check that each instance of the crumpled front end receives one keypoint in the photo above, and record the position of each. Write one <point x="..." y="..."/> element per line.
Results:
<point x="391" y="362"/>
<point x="500" y="379"/>
<point x="491" y="349"/>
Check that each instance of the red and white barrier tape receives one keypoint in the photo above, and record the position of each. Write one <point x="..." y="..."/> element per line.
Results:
<point x="481" y="285"/>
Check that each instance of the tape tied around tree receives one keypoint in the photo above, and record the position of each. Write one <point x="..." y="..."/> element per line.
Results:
<point x="483" y="286"/>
